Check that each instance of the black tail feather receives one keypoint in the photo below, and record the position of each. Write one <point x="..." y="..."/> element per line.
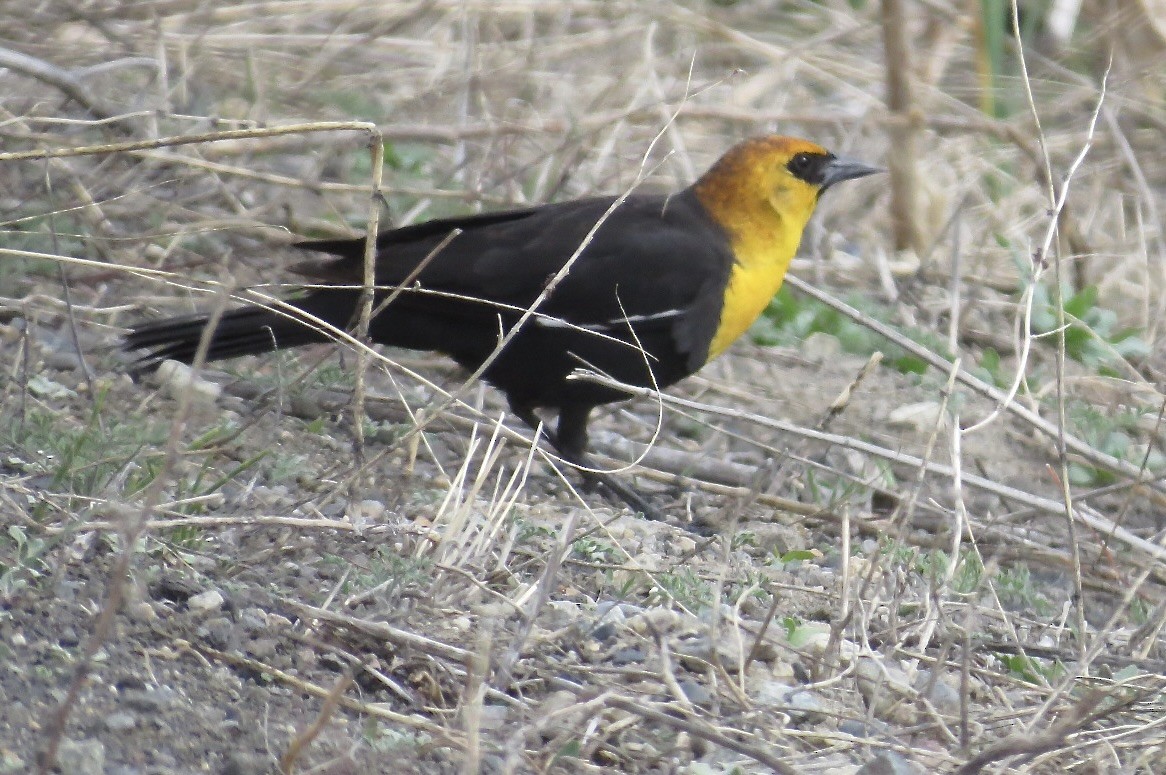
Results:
<point x="244" y="331"/>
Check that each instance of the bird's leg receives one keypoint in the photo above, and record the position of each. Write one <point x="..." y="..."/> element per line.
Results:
<point x="570" y="441"/>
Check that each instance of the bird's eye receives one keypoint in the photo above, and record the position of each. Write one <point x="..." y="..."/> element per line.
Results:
<point x="800" y="165"/>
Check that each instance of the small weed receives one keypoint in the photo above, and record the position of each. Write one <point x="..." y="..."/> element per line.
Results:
<point x="1016" y="590"/>
<point x="286" y="467"/>
<point x="827" y="490"/>
<point x="185" y="536"/>
<point x="570" y="750"/>
<point x="685" y="587"/>
<point x="387" y="739"/>
<point x="800" y="634"/>
<point x="385" y="433"/>
<point x="991" y="370"/>
<point x="529" y="531"/>
<point x="969" y="571"/>
<point x="21" y="560"/>
<point x="330" y="375"/>
<point x="85" y="459"/>
<point x="386" y="564"/>
<point x="594" y="550"/>
<point x="968" y="575"/>
<point x="1032" y="670"/>
<point x="1139" y="611"/>
<point x="743" y="539"/>
<point x="790" y="559"/>
<point x="1092" y="336"/>
<point x="1114" y="433"/>
<point x="791" y="318"/>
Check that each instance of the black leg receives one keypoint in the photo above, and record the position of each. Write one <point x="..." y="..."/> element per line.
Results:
<point x="570" y="441"/>
<point x="571" y="436"/>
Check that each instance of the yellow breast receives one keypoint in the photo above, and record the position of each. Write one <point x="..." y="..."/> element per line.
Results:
<point x="762" y="258"/>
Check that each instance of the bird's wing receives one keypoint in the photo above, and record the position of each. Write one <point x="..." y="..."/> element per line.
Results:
<point x="653" y="262"/>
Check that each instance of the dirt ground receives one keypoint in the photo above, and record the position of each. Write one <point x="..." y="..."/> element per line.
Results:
<point x="209" y="573"/>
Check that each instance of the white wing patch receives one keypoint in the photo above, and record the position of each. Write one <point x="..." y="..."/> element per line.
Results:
<point x="619" y="324"/>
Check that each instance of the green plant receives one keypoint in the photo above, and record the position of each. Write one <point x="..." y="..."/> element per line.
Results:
<point x="386" y="738"/>
<point x="790" y="318"/>
<point x="800" y="634"/>
<point x="991" y="369"/>
<point x="792" y="558"/>
<point x="1032" y="670"/>
<point x="1000" y="94"/>
<point x="1116" y="434"/>
<point x="685" y="587"/>
<point x="594" y="550"/>
<point x="21" y="560"/>
<point x="969" y="570"/>
<point x="80" y="459"/>
<point x="742" y="539"/>
<point x="387" y="564"/>
<point x="1015" y="588"/>
<point x="1093" y="336"/>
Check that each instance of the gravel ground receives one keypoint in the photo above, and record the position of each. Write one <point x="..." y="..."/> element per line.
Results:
<point x="204" y="573"/>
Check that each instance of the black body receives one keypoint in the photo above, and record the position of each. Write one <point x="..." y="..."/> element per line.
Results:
<point x="641" y="303"/>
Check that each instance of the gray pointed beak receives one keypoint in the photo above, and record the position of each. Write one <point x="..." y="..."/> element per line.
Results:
<point x="842" y="168"/>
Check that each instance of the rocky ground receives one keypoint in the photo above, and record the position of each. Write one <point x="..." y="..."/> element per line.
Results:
<point x="209" y="573"/>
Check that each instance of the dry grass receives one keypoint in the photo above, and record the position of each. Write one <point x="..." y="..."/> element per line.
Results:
<point x="159" y="156"/>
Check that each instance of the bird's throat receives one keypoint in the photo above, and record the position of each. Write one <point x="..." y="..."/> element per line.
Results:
<point x="763" y="252"/>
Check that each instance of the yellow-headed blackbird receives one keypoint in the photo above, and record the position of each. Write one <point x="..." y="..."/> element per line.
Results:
<point x="662" y="285"/>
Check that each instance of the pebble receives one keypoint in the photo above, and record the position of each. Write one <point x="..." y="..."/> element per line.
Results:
<point x="862" y="728"/>
<point x="628" y="656"/>
<point x="141" y="611"/>
<point x="203" y="602"/>
<point x="240" y="763"/>
<point x="120" y="721"/>
<point x="179" y="379"/>
<point x="43" y="387"/>
<point x="262" y="648"/>
<point x="148" y="700"/>
<point x="81" y="757"/>
<point x="556" y="701"/>
<point x="219" y="633"/>
<point x="370" y="510"/>
<point x="801" y="705"/>
<point x="820" y="346"/>
<point x="660" y="620"/>
<point x="724" y="613"/>
<point x="611" y="612"/>
<point x="174" y="588"/>
<point x="696" y="693"/>
<point x="888" y="763"/>
<point x="885" y="688"/>
<point x="563" y="612"/>
<point x="253" y="620"/>
<point x="804" y="706"/>
<point x="493" y="717"/>
<point x="922" y="416"/>
<point x="944" y="696"/>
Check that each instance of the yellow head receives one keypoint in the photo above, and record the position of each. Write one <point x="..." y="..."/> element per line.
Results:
<point x="769" y="180"/>
<point x="762" y="193"/>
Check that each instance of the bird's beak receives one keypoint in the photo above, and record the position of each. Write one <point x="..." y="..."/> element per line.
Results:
<point x="842" y="168"/>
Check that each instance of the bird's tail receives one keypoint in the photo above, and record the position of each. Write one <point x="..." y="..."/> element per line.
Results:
<point x="244" y="331"/>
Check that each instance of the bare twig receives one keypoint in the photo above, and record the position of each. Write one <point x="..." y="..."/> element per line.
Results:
<point x="68" y="82"/>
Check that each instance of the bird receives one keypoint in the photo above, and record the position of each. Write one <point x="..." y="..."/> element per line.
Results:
<point x="643" y="288"/>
